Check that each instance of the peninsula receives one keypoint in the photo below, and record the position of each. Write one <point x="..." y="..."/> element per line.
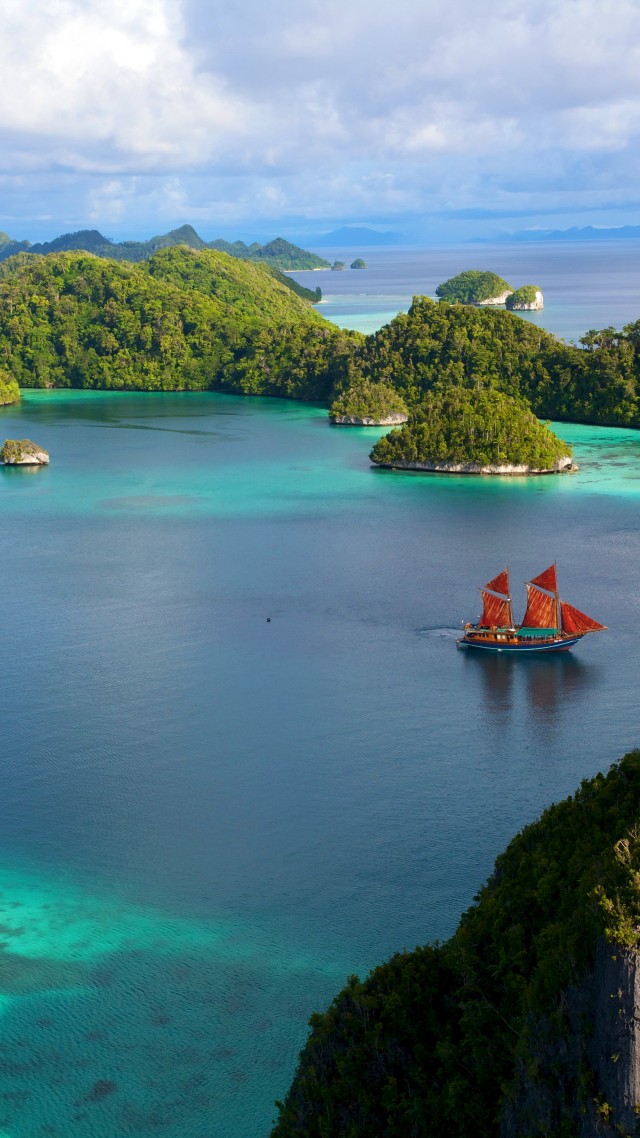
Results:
<point x="525" y="1024"/>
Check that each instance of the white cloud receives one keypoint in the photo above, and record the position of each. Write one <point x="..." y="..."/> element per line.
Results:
<point x="332" y="107"/>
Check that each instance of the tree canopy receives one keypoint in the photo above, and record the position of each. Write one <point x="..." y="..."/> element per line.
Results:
<point x="9" y="390"/>
<point x="185" y="320"/>
<point x="458" y="425"/>
<point x="366" y="400"/>
<point x="436" y="1041"/>
<point x="472" y="287"/>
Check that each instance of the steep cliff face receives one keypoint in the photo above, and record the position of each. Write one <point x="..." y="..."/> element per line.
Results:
<point x="526" y="1024"/>
<point x="581" y="1075"/>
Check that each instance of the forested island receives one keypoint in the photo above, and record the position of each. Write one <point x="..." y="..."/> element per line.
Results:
<point x="525" y="1024"/>
<point x="474" y="287"/>
<point x="23" y="452"/>
<point x="188" y="319"/>
<point x="450" y="425"/>
<point x="484" y="289"/>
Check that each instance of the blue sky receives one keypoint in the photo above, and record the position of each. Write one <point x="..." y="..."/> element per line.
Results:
<point x="438" y="119"/>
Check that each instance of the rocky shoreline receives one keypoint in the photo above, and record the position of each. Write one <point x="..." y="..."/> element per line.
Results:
<point x="561" y="466"/>
<point x="394" y="419"/>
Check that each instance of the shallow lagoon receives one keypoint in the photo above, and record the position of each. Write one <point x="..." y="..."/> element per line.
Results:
<point x="210" y="820"/>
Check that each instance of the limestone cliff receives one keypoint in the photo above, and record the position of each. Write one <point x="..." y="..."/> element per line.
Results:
<point x="526" y="1024"/>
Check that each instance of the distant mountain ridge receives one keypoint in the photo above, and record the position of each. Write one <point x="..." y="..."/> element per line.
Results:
<point x="354" y="235"/>
<point x="279" y="254"/>
<point x="586" y="233"/>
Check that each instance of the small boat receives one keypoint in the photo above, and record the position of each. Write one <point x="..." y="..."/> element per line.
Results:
<point x="548" y="625"/>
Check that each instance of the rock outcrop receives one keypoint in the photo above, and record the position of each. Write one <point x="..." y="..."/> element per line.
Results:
<point x="597" y="1050"/>
<point x="501" y="298"/>
<point x="560" y="466"/>
<point x="23" y="452"/>
<point x="529" y="298"/>
<point x="391" y="420"/>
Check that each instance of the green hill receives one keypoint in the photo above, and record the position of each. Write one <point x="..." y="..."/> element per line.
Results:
<point x="183" y="320"/>
<point x="523" y="1024"/>
<point x="442" y="343"/>
<point x="473" y="287"/>
<point x="459" y="425"/>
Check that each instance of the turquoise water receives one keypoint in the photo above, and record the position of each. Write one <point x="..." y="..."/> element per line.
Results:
<point x="211" y="818"/>
<point x="585" y="285"/>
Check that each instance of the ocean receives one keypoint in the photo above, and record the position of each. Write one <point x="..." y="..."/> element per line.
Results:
<point x="241" y="755"/>
<point x="585" y="284"/>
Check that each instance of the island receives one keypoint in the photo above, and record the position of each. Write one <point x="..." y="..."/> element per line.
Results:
<point x="368" y="404"/>
<point x="337" y="266"/>
<point x="23" y="452"/>
<point x="528" y="298"/>
<point x="358" y="263"/>
<point x="9" y="390"/>
<point x="474" y="287"/>
<point x="525" y="1024"/>
<point x="459" y="430"/>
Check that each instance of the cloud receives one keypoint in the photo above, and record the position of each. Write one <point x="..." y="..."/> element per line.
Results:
<point x="334" y="109"/>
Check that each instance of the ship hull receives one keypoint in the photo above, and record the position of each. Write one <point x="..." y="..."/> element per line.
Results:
<point x="559" y="645"/>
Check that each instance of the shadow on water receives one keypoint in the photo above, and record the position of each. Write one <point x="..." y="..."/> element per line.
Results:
<point x="545" y="683"/>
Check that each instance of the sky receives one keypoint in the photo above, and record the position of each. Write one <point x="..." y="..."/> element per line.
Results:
<point x="438" y="120"/>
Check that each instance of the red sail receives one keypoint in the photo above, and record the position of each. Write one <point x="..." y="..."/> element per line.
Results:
<point x="575" y="621"/>
<point x="496" y="613"/>
<point x="547" y="580"/>
<point x="500" y="584"/>
<point x="541" y="610"/>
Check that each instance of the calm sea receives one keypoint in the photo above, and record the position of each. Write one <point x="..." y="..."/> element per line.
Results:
<point x="241" y="756"/>
<point x="585" y="284"/>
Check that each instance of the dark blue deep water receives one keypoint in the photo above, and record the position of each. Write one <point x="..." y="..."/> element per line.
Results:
<point x="209" y="819"/>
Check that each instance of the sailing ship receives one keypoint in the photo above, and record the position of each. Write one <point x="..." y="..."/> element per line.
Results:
<point x="548" y="625"/>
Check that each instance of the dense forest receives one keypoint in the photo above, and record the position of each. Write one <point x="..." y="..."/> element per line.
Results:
<point x="453" y="423"/>
<point x="184" y="320"/>
<point x="9" y="390"/>
<point x="472" y="287"/>
<point x="200" y="319"/>
<point x="444" y="343"/>
<point x="366" y="400"/>
<point x="490" y="1033"/>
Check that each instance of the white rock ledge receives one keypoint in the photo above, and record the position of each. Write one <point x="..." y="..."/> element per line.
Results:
<point x="501" y="299"/>
<point x="32" y="458"/>
<point x="366" y="421"/>
<point x="532" y="306"/>
<point x="561" y="466"/>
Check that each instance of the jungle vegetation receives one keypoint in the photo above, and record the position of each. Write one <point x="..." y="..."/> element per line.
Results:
<point x="526" y="294"/>
<point x="366" y="400"/>
<point x="190" y="319"/>
<point x="472" y="287"/>
<point x="433" y="1041"/>
<point x="9" y="390"/>
<point x="184" y="320"/>
<point x="456" y="425"/>
<point x="436" y="343"/>
<point x="14" y="450"/>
